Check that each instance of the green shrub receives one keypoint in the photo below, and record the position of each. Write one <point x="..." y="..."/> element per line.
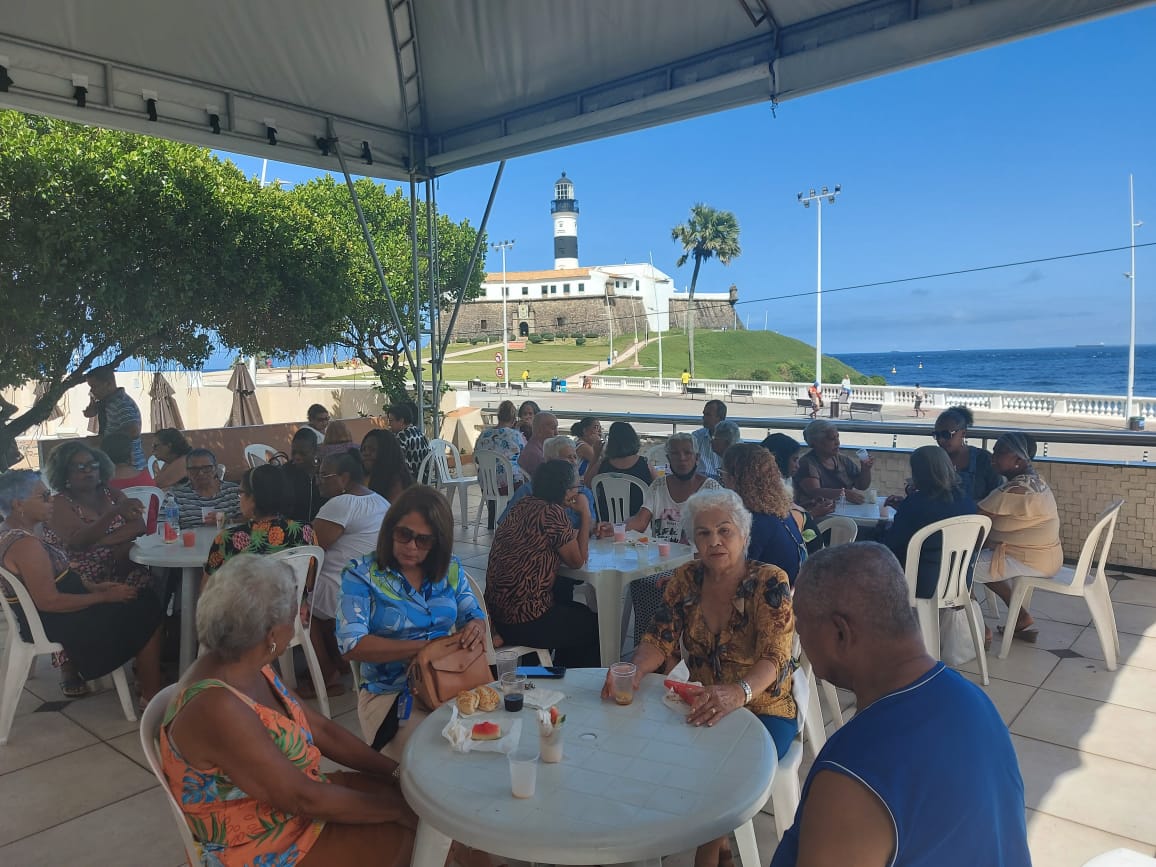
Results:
<point x="761" y="374"/>
<point x="591" y="335"/>
<point x="535" y="338"/>
<point x="462" y="340"/>
<point x="576" y="334"/>
<point x="579" y="341"/>
<point x="548" y="336"/>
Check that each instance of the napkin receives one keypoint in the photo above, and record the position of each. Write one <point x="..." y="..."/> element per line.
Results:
<point x="457" y="732"/>
<point x="543" y="698"/>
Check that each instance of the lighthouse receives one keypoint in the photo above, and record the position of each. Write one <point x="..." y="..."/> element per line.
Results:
<point x="564" y="215"/>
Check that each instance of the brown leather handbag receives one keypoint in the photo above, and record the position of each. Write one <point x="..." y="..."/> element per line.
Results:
<point x="443" y="668"/>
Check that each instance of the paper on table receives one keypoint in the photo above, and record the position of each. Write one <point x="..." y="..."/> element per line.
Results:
<point x="457" y="732"/>
<point x="543" y="698"/>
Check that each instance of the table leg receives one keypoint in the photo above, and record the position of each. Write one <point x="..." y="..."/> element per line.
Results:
<point x="430" y="847"/>
<point x="608" y="593"/>
<point x="748" y="847"/>
<point x="189" y="578"/>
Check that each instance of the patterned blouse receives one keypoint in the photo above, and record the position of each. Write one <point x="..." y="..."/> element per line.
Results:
<point x="506" y="441"/>
<point x="415" y="446"/>
<point x="524" y="560"/>
<point x="379" y="601"/>
<point x="266" y="536"/>
<point x="232" y="828"/>
<point x="761" y="626"/>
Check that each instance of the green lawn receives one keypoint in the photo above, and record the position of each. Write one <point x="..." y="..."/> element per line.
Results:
<point x="764" y="355"/>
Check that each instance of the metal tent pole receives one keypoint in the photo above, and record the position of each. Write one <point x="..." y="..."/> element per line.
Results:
<point x="413" y="253"/>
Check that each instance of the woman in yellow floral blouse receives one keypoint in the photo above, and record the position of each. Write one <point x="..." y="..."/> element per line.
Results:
<point x="264" y="490"/>
<point x="730" y="619"/>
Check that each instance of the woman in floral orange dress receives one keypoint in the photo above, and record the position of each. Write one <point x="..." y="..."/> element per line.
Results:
<point x="263" y="490"/>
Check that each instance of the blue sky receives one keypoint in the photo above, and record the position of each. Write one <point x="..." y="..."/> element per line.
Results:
<point x="1017" y="152"/>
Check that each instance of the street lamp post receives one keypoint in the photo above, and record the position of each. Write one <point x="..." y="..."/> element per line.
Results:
<point x="1134" y="224"/>
<point x="806" y="200"/>
<point x="504" y="246"/>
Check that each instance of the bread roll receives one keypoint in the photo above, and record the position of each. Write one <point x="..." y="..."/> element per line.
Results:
<point x="467" y="702"/>
<point x="488" y="698"/>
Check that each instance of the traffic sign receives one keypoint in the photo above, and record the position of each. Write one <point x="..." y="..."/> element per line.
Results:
<point x="497" y="358"/>
<point x="498" y="372"/>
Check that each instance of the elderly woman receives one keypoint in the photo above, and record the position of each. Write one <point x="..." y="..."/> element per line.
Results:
<point x="621" y="456"/>
<point x="561" y="448"/>
<point x="730" y="619"/>
<point x="259" y="796"/>
<point x="170" y="448"/>
<point x="977" y="476"/>
<point x="661" y="512"/>
<point x="394" y="600"/>
<point x="776" y="530"/>
<point x="205" y="493"/>
<point x="386" y="471"/>
<point x="526" y="413"/>
<point x="1025" y="525"/>
<point x="264" y="490"/>
<point x="529" y="606"/>
<point x="935" y="495"/>
<point x="101" y="626"/>
<point x="824" y="473"/>
<point x="587" y="433"/>
<point x="347" y="528"/>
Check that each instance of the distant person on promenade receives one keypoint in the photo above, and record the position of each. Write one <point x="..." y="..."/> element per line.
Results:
<point x="920" y="396"/>
<point x="713" y="413"/>
<point x="949" y="808"/>
<point x="845" y="389"/>
<point x="685" y="379"/>
<point x="114" y="410"/>
<point x="973" y="464"/>
<point x="826" y="474"/>
<point x="816" y="395"/>
<point x="525" y="377"/>
<point x="318" y="417"/>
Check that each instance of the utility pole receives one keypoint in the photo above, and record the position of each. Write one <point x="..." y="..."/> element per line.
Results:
<point x="504" y="246"/>
<point x="817" y="198"/>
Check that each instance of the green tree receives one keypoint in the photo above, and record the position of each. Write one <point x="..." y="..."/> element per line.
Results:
<point x="114" y="245"/>
<point x="708" y="234"/>
<point x="367" y="327"/>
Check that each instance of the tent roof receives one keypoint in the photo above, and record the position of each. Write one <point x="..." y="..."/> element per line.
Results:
<point x="436" y="85"/>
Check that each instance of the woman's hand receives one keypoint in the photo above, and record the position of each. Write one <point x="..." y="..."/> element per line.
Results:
<point x="821" y="507"/>
<point x="115" y="592"/>
<point x="603" y="530"/>
<point x="854" y="496"/>
<point x="608" y="684"/>
<point x="128" y="507"/>
<point x="471" y="633"/>
<point x="573" y="499"/>
<point x="715" y="703"/>
<point x="866" y="464"/>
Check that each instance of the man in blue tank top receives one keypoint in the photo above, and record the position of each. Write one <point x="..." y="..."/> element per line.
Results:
<point x="924" y="773"/>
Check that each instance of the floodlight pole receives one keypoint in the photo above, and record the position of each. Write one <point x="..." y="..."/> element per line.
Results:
<point x="504" y="246"/>
<point x="806" y="200"/>
<point x="1134" y="224"/>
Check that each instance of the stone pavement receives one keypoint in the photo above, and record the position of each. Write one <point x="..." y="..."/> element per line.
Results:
<point x="75" y="789"/>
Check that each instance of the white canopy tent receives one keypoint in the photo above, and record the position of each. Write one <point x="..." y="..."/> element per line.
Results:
<point x="413" y="89"/>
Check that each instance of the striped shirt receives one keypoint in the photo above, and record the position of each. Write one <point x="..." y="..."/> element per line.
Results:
<point x="227" y="500"/>
<point x="118" y="411"/>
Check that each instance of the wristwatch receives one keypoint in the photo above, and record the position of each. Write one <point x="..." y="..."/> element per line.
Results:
<point x="748" y="693"/>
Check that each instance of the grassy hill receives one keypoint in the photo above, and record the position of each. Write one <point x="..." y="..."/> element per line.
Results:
<point x="760" y="355"/>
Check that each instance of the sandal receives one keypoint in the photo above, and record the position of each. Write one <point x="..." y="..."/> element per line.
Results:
<point x="73" y="685"/>
<point x="1028" y="635"/>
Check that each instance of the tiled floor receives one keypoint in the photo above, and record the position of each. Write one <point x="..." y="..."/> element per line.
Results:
<point x="74" y="787"/>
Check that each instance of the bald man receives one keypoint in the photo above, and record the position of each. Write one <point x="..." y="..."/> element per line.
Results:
<point x="532" y="456"/>
<point x="924" y="773"/>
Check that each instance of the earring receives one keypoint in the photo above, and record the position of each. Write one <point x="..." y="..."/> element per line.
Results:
<point x="273" y="649"/>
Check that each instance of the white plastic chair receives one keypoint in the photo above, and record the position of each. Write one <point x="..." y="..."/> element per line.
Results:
<point x="20" y="654"/>
<point x="1121" y="858"/>
<point x="258" y="454"/>
<point x="155" y="465"/>
<point x="1086" y="580"/>
<point x="844" y="530"/>
<point x="656" y="455"/>
<point x="435" y="470"/>
<point x="544" y="657"/>
<point x="302" y="559"/>
<point x="493" y="470"/>
<point x="616" y="488"/>
<point x="150" y="732"/>
<point x="962" y="538"/>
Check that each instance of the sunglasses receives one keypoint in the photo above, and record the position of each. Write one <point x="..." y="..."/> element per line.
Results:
<point x="404" y="535"/>
<point x="81" y="468"/>
<point x="207" y="469"/>
<point x="946" y="434"/>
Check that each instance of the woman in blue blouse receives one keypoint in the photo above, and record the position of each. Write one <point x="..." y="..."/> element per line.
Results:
<point x="395" y="600"/>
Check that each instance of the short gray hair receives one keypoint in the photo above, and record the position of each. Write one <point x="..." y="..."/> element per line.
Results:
<point x="16" y="485"/>
<point x="864" y="582"/>
<point x="680" y="438"/>
<point x="553" y="446"/>
<point x="56" y="468"/>
<point x="728" y="431"/>
<point x="817" y="429"/>
<point x="716" y="498"/>
<point x="244" y="599"/>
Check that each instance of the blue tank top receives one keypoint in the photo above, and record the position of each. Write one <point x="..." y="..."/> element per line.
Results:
<point x="939" y="757"/>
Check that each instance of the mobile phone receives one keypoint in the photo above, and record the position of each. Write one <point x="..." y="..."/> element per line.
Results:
<point x="553" y="672"/>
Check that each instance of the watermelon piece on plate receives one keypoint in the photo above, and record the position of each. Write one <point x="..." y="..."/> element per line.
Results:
<point x="486" y="731"/>
<point x="688" y="692"/>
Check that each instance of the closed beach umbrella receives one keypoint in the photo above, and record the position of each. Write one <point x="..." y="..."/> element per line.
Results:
<point x="163" y="408"/>
<point x="245" y="410"/>
<point x="41" y="390"/>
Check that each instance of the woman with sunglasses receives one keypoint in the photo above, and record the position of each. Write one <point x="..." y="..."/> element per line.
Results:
<point x="394" y="600"/>
<point x="976" y="473"/>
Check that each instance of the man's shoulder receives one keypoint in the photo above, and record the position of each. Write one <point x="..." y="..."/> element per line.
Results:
<point x="229" y="487"/>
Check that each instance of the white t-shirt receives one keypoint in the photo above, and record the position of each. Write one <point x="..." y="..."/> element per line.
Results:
<point x="319" y="434"/>
<point x="665" y="513"/>
<point x="361" y="516"/>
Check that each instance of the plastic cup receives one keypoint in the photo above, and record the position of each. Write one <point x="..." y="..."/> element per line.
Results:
<point x="523" y="772"/>
<point x="550" y="746"/>
<point x="862" y="454"/>
<point x="188" y="538"/>
<point x="619" y="532"/>
<point x="622" y="682"/>
<point x="663" y="549"/>
<point x="506" y="662"/>
<point x="220" y="520"/>
<point x="513" y="691"/>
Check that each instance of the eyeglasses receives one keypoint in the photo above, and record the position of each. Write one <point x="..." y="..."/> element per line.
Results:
<point x="946" y="434"/>
<point x="82" y="468"/>
<point x="404" y="535"/>
<point x="205" y="469"/>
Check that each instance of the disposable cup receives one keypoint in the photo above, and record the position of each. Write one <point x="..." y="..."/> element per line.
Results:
<point x="523" y="771"/>
<point x="622" y="682"/>
<point x="663" y="549"/>
<point x="506" y="662"/>
<point x="619" y="532"/>
<point x="550" y="746"/>
<point x="188" y="538"/>
<point x="862" y="454"/>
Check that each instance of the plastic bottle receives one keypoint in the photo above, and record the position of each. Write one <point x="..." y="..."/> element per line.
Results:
<point x="171" y="515"/>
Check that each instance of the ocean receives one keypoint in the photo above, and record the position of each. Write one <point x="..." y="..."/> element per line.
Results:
<point x="1070" y="369"/>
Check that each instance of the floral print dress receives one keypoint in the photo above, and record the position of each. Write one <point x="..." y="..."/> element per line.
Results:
<point x="98" y="564"/>
<point x="264" y="536"/>
<point x="232" y="828"/>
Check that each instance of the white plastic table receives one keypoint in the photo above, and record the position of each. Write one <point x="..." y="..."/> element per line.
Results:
<point x="867" y="513"/>
<point x="151" y="551"/>
<point x="609" y="568"/>
<point x="635" y="783"/>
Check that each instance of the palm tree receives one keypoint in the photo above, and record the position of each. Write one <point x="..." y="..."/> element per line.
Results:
<point x="708" y="234"/>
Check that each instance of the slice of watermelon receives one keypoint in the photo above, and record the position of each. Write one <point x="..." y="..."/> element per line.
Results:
<point x="688" y="692"/>
<point x="556" y="716"/>
<point x="486" y="731"/>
